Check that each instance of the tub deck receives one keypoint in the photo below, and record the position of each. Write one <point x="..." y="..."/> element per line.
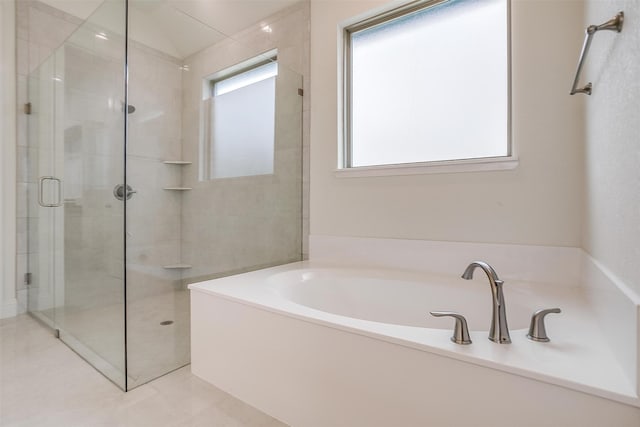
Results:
<point x="578" y="358"/>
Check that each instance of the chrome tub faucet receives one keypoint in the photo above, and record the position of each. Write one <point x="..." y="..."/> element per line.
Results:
<point x="499" y="331"/>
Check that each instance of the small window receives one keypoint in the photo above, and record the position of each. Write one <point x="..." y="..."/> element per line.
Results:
<point x="428" y="83"/>
<point x="240" y="117"/>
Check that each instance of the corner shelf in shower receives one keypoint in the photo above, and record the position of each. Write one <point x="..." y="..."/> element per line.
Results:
<point x="177" y="162"/>
<point x="177" y="266"/>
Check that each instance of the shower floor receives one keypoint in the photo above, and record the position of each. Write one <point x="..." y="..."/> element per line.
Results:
<point x="93" y="322"/>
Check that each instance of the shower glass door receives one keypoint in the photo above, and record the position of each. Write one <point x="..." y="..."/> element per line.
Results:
<point x="217" y="177"/>
<point x="44" y="195"/>
<point x="145" y="178"/>
<point x="77" y="129"/>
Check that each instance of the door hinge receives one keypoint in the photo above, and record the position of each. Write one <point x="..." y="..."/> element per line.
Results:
<point x="27" y="108"/>
<point x="300" y="91"/>
<point x="27" y="278"/>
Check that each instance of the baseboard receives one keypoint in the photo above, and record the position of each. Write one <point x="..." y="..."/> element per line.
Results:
<point x="9" y="309"/>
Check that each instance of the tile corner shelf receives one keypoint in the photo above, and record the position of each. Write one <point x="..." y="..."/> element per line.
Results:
<point x="177" y="162"/>
<point x="177" y="266"/>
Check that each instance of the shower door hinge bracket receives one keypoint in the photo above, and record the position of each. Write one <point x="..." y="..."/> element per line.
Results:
<point x="56" y="333"/>
<point x="27" y="278"/>
<point x="300" y="91"/>
<point x="27" y="108"/>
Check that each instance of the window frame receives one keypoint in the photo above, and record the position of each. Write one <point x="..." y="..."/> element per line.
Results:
<point x="238" y="70"/>
<point x="345" y="167"/>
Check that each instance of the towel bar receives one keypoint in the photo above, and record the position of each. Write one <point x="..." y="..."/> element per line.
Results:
<point x="613" y="24"/>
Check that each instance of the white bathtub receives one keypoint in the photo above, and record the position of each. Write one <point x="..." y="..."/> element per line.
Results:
<point x="401" y="298"/>
<point x="320" y="346"/>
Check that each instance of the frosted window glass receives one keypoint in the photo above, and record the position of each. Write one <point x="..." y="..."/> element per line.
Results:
<point x="243" y="130"/>
<point x="246" y="78"/>
<point x="431" y="85"/>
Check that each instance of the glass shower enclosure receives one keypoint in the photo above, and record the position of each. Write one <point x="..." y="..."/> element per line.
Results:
<point x="145" y="176"/>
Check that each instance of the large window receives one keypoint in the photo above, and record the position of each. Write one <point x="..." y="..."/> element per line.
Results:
<point x="241" y="121"/>
<point x="428" y="82"/>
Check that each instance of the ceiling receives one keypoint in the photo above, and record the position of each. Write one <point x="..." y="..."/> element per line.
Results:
<point x="176" y="27"/>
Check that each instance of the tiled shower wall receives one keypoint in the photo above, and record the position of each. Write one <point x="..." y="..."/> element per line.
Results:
<point x="159" y="220"/>
<point x="153" y="214"/>
<point x="234" y="224"/>
<point x="154" y="136"/>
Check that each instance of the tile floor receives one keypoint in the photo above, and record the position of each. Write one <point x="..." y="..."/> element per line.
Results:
<point x="43" y="383"/>
<point x="94" y="318"/>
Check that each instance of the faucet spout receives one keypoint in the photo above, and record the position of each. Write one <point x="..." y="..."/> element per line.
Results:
<point x="499" y="331"/>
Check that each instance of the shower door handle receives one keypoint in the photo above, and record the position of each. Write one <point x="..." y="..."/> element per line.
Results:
<point x="41" y="202"/>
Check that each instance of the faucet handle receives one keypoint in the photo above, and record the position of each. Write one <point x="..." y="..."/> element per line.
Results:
<point x="460" y="331"/>
<point x="537" y="331"/>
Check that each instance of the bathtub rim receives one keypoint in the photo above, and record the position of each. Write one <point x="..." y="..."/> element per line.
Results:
<point x="231" y="288"/>
<point x="480" y="290"/>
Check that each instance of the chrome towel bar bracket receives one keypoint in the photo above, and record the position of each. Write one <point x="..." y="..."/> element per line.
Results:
<point x="613" y="24"/>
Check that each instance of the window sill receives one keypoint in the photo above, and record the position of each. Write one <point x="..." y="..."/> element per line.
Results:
<point x="448" y="166"/>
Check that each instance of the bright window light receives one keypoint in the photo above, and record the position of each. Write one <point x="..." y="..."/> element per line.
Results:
<point x="246" y="78"/>
<point x="429" y="84"/>
<point x="241" y="122"/>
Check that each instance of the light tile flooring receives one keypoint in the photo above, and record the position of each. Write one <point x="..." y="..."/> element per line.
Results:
<point x="43" y="383"/>
<point x="94" y="319"/>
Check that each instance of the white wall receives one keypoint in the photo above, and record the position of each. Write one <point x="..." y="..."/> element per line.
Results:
<point x="538" y="203"/>
<point x="612" y="175"/>
<point x="8" y="304"/>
